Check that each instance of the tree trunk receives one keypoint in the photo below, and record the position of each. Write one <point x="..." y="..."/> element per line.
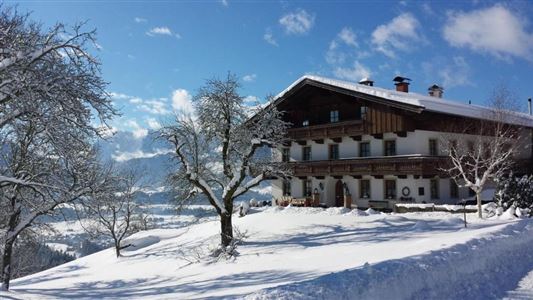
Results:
<point x="117" y="249"/>
<point x="479" y="211"/>
<point x="6" y="264"/>
<point x="226" y="229"/>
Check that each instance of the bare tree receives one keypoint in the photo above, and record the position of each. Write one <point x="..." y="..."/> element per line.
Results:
<point x="50" y="87"/>
<point x="217" y="148"/>
<point x="488" y="151"/>
<point x="112" y="211"/>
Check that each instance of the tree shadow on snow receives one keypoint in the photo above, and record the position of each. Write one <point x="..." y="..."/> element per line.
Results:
<point x="167" y="287"/>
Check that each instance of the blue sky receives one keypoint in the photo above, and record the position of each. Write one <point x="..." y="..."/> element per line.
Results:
<point x="156" y="54"/>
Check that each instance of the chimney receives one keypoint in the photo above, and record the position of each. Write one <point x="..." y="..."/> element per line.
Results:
<point x="366" y="81"/>
<point x="435" y="91"/>
<point x="402" y="84"/>
<point x="529" y="105"/>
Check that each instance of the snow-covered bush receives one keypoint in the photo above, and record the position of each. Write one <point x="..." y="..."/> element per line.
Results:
<point x="517" y="192"/>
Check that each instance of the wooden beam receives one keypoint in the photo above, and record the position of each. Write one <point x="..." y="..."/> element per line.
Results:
<point x="337" y="177"/>
<point x="337" y="139"/>
<point x="378" y="136"/>
<point x="402" y="176"/>
<point x="320" y="177"/>
<point x="302" y="177"/>
<point x="357" y="137"/>
<point x="428" y="176"/>
<point x="302" y="143"/>
<point x="416" y="176"/>
<point x="378" y="176"/>
<point x="357" y="176"/>
<point x="319" y="141"/>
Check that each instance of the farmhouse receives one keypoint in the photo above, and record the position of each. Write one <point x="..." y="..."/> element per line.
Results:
<point x="375" y="147"/>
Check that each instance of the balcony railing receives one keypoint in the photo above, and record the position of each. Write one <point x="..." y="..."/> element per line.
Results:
<point x="329" y="130"/>
<point x="394" y="165"/>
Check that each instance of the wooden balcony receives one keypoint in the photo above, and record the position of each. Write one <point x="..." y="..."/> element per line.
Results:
<point x="375" y="166"/>
<point x="329" y="130"/>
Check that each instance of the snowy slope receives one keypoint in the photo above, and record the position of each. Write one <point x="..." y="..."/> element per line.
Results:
<point x="283" y="247"/>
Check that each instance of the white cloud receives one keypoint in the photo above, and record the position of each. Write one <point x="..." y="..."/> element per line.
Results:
<point x="154" y="106"/>
<point x="269" y="38"/>
<point x="137" y="130"/>
<point x="298" y="22"/>
<point x="182" y="101"/>
<point x="341" y="47"/>
<point x="119" y="96"/>
<point x="356" y="73"/>
<point x="399" y="34"/>
<point x="249" y="77"/>
<point x="140" y="20"/>
<point x="251" y="99"/>
<point x="224" y="2"/>
<point x="455" y="74"/>
<point x="348" y="37"/>
<point x="494" y="30"/>
<point x="136" y="100"/>
<point x="162" y="30"/>
<point x="153" y="123"/>
<point x="125" y="156"/>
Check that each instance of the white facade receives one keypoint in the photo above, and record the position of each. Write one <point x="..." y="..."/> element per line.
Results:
<point x="418" y="188"/>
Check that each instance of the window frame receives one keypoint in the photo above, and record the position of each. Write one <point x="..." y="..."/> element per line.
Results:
<point x="363" y="182"/>
<point x="433" y="147"/>
<point x="334" y="116"/>
<point x="454" y="189"/>
<point x="285" y="154"/>
<point x="434" y="189"/>
<point x="386" y="149"/>
<point x="386" y="187"/>
<point x="330" y="152"/>
<point x="309" y="156"/>
<point x="368" y="153"/>
<point x="307" y="187"/>
<point x="286" y="187"/>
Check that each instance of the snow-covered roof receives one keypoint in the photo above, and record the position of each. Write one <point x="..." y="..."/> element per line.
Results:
<point x="425" y="102"/>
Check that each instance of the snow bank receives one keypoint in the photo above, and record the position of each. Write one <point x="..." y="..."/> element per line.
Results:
<point x="421" y="226"/>
<point x="141" y="242"/>
<point x="371" y="211"/>
<point x="480" y="269"/>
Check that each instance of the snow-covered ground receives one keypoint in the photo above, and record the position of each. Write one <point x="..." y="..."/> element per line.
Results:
<point x="301" y="253"/>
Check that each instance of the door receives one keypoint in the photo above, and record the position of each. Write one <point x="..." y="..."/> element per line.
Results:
<point x="339" y="194"/>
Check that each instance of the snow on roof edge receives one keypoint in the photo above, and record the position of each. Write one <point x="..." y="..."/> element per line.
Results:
<point x="426" y="102"/>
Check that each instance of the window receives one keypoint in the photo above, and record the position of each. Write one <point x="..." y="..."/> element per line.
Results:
<point x="285" y="154"/>
<point x="486" y="150"/>
<point x="334" y="151"/>
<point x="306" y="155"/>
<point x="364" y="111"/>
<point x="434" y="188"/>
<point x="454" y="189"/>
<point x="452" y="147"/>
<point x="390" y="189"/>
<point x="334" y="116"/>
<point x="433" y="147"/>
<point x="390" y="148"/>
<point x="307" y="186"/>
<point x="364" y="189"/>
<point x="286" y="187"/>
<point x="305" y="123"/>
<point x="470" y="146"/>
<point x="421" y="191"/>
<point x="364" y="149"/>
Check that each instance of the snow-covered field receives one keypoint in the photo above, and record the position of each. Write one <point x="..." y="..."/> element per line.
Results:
<point x="298" y="253"/>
